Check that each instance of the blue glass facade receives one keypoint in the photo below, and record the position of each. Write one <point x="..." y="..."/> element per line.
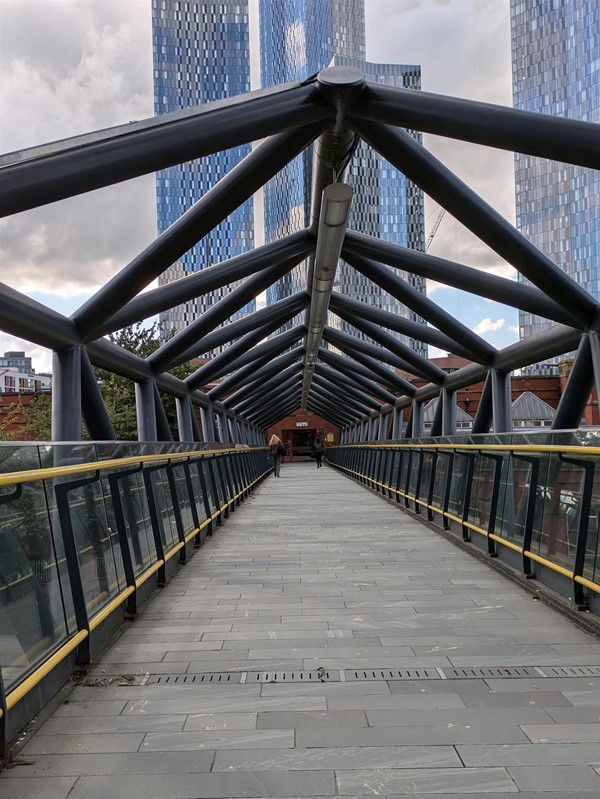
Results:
<point x="556" y="70"/>
<point x="299" y="38"/>
<point x="201" y="53"/>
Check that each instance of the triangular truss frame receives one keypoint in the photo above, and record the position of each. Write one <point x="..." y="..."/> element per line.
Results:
<point x="270" y="370"/>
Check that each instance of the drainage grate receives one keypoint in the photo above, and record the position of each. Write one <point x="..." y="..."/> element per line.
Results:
<point x="512" y="672"/>
<point x="571" y="671"/>
<point x="319" y="675"/>
<point x="362" y="675"/>
<point x="223" y="677"/>
<point x="369" y="675"/>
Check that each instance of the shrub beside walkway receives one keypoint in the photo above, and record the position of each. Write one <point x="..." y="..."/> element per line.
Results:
<point x="316" y="577"/>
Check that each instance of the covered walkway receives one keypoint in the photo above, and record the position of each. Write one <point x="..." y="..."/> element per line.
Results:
<point x="323" y="643"/>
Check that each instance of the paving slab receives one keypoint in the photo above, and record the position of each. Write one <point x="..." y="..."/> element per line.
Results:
<point x="291" y="583"/>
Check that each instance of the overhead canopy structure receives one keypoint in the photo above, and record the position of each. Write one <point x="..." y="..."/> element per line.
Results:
<point x="273" y="365"/>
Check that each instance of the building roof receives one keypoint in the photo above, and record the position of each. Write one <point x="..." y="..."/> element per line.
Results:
<point x="430" y="408"/>
<point x="528" y="407"/>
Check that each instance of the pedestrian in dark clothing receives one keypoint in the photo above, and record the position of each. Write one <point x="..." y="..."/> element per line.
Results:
<point x="276" y="451"/>
<point x="317" y="451"/>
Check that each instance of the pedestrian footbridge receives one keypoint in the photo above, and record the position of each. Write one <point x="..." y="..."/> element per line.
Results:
<point x="227" y="634"/>
<point x="415" y="619"/>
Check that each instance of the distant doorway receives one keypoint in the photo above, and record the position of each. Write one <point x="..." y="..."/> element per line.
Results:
<point x="301" y="441"/>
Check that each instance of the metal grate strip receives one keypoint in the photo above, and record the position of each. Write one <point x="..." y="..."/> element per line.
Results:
<point x="215" y="678"/>
<point x="482" y="673"/>
<point x="363" y="675"/>
<point x="319" y="675"/>
<point x="369" y="675"/>
<point x="572" y="671"/>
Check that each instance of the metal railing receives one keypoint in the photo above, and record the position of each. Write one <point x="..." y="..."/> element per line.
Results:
<point x="83" y="529"/>
<point x="531" y="501"/>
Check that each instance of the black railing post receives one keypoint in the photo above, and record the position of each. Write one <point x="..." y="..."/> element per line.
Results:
<point x="72" y="557"/>
<point x="113" y="482"/>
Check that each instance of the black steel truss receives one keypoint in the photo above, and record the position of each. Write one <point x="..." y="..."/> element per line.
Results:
<point x="272" y="363"/>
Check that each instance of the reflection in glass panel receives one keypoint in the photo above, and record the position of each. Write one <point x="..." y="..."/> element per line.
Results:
<point x="555" y="531"/>
<point x="138" y="526"/>
<point x="481" y="492"/>
<point x="195" y="467"/>
<point x="207" y="472"/>
<point x="427" y="474"/>
<point x="101" y="573"/>
<point x="591" y="569"/>
<point x="32" y="617"/>
<point x="460" y="471"/>
<point x="183" y="499"/>
<point x="512" y="502"/>
<point x="167" y="524"/>
<point x="440" y="480"/>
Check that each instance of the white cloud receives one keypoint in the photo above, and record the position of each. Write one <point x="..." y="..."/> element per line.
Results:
<point x="41" y="357"/>
<point x="486" y="325"/>
<point x="514" y="329"/>
<point x="68" y="68"/>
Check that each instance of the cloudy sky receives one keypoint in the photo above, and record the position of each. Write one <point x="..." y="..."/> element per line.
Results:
<point x="71" y="66"/>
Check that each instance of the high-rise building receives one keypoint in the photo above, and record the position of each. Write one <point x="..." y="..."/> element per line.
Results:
<point x="201" y="53"/>
<point x="556" y="70"/>
<point x="299" y="38"/>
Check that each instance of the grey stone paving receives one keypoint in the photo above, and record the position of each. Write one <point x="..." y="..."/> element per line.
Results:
<point x="315" y="571"/>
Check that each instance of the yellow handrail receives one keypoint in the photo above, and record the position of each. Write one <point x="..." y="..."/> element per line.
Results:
<point x="21" y="690"/>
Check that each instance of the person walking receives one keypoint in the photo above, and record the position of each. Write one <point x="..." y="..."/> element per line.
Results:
<point x="317" y="451"/>
<point x="276" y="451"/>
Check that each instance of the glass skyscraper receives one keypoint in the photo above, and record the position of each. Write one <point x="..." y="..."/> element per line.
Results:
<point x="556" y="70"/>
<point x="299" y="38"/>
<point x="201" y="53"/>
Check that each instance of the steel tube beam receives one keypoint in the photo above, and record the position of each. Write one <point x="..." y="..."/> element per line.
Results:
<point x="479" y="349"/>
<point x="346" y="384"/>
<point x="448" y="401"/>
<point x="335" y="207"/>
<point x="260" y="392"/>
<point x="222" y="364"/>
<point x="145" y="410"/>
<point x="357" y="373"/>
<point x="184" y="418"/>
<point x="438" y="419"/>
<point x="331" y="415"/>
<point x="208" y="279"/>
<point x="344" y="397"/>
<point x="485" y="412"/>
<point x="556" y="138"/>
<point x="417" y="419"/>
<point x="258" y="370"/>
<point x="66" y="394"/>
<point x="501" y="402"/>
<point x="391" y="321"/>
<point x="397" y="424"/>
<point x="163" y="431"/>
<point x="475" y="281"/>
<point x="97" y="420"/>
<point x="467" y="207"/>
<point x="208" y="425"/>
<point x="30" y="320"/>
<point x="274" y="402"/>
<point x="172" y="352"/>
<point x="412" y="361"/>
<point x="351" y="345"/>
<point x="270" y="348"/>
<point x="329" y="411"/>
<point x="262" y="322"/>
<point x="223" y="198"/>
<point x="324" y="388"/>
<point x="256" y="378"/>
<point x="578" y="389"/>
<point x="42" y="175"/>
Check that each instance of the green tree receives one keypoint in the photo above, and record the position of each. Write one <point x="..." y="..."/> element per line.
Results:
<point x="118" y="392"/>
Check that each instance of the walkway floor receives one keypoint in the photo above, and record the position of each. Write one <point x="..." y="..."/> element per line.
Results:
<point x="314" y="572"/>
